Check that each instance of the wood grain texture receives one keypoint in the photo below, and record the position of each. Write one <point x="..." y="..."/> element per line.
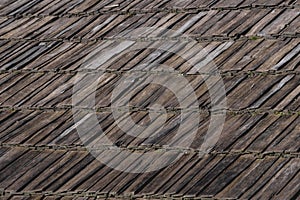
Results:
<point x="45" y="46"/>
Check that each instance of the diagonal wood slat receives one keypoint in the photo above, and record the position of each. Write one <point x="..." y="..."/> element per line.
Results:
<point x="45" y="46"/>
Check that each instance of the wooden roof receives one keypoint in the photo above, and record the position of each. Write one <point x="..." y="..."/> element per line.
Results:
<point x="42" y="47"/>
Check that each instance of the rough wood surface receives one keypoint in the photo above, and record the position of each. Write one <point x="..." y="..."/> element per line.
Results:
<point x="254" y="45"/>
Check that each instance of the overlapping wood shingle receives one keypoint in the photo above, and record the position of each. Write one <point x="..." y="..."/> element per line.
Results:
<point x="255" y="46"/>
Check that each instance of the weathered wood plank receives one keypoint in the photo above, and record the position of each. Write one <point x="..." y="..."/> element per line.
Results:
<point x="55" y="170"/>
<point x="42" y="78"/>
<point x="246" y="179"/>
<point x="264" y="178"/>
<point x="206" y="26"/>
<point x="281" y="178"/>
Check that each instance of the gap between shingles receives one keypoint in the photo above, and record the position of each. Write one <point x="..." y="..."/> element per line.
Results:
<point x="149" y="148"/>
<point x="217" y="38"/>
<point x="224" y="73"/>
<point x="170" y="110"/>
<point x="147" y="11"/>
<point x="101" y="195"/>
